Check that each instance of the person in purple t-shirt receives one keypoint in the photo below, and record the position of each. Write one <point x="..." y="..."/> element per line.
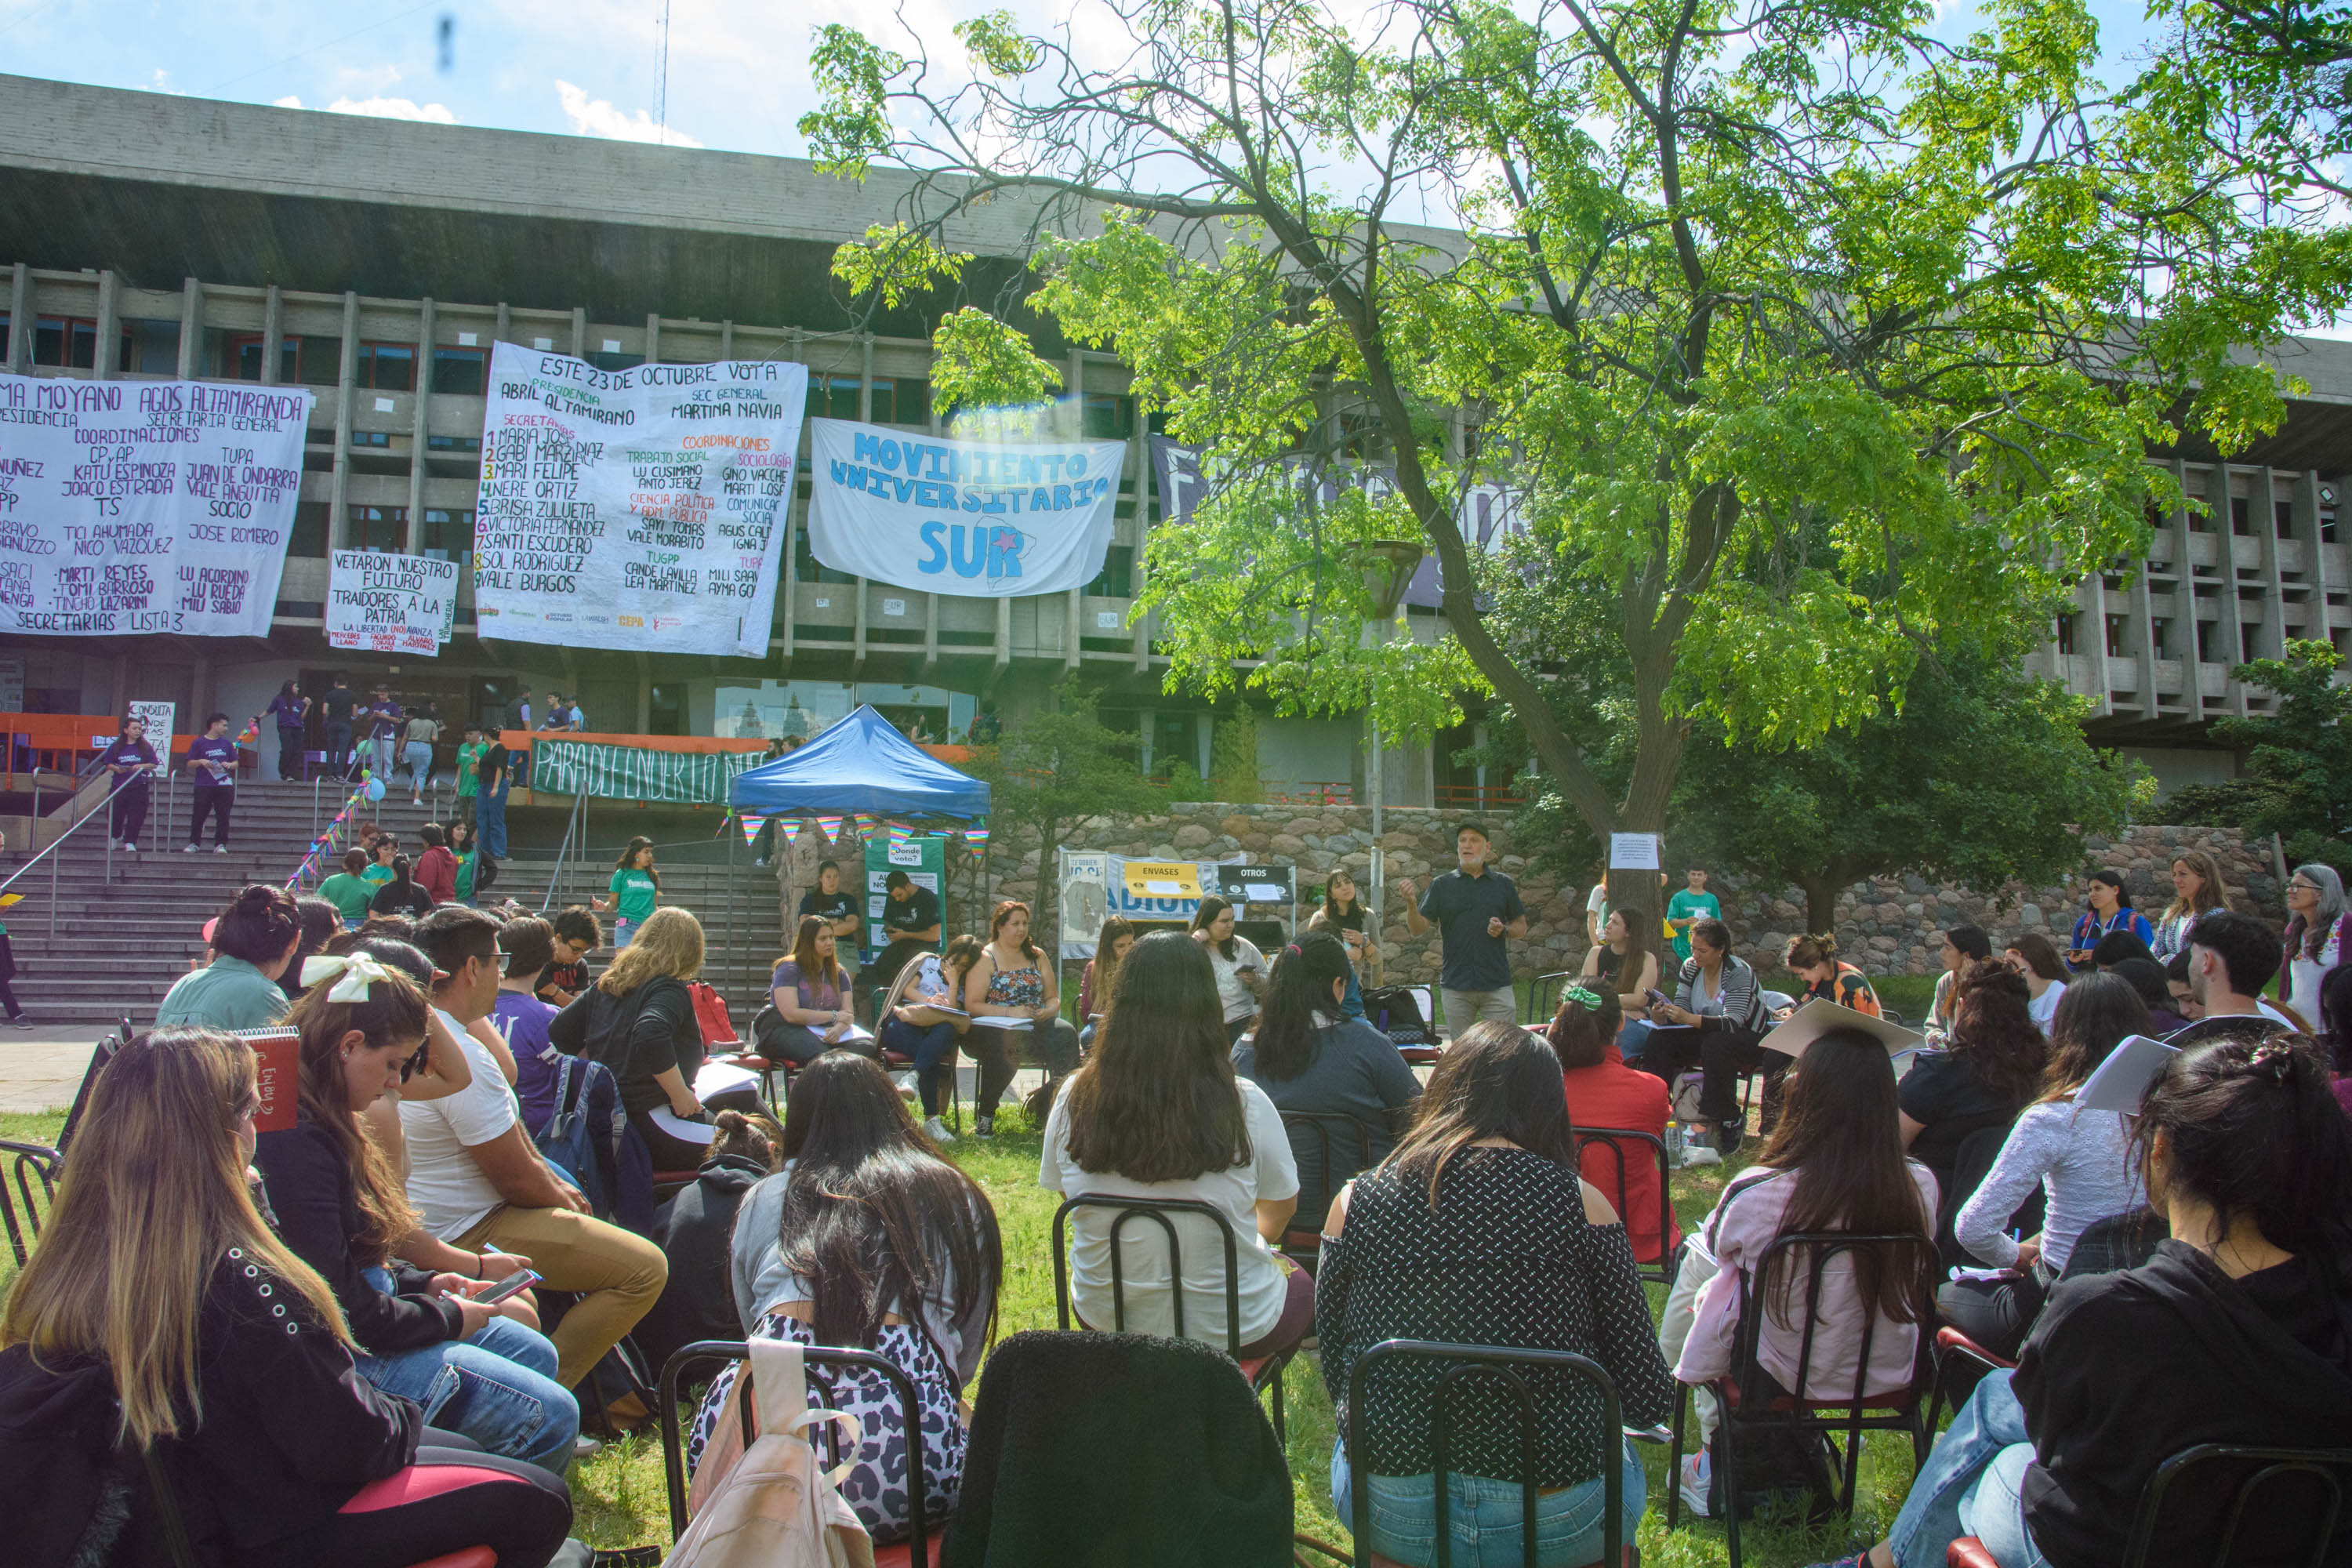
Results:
<point x="521" y="1018"/>
<point x="212" y="768"/>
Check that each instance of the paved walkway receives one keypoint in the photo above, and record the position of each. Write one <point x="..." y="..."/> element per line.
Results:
<point x="40" y="1069"/>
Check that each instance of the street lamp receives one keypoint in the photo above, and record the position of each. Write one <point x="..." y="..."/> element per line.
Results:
<point x="1394" y="561"/>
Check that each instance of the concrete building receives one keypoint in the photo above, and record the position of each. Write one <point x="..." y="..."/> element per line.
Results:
<point x="149" y="236"/>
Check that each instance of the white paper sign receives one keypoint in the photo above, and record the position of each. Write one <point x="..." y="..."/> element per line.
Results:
<point x="639" y="508"/>
<point x="390" y="603"/>
<point x="961" y="517"/>
<point x="1633" y="852"/>
<point x="154" y="506"/>
<point x="157" y="717"/>
<point x="1265" y="893"/>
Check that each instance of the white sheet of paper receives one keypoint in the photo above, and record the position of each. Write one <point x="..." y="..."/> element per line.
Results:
<point x="723" y="1077"/>
<point x="1265" y="893"/>
<point x="1633" y="852"/>
<point x="2121" y="1083"/>
<point x="1004" y="1023"/>
<point x="1164" y="889"/>
<point x="683" y="1131"/>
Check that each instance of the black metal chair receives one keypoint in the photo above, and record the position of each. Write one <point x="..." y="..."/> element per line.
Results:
<point x="1614" y="1140"/>
<point x="2322" y="1505"/>
<point x="1503" y="1363"/>
<point x="919" y="1546"/>
<point x="29" y="1189"/>
<point x="1803" y="1256"/>
<point x="1540" y="1006"/>
<point x="1953" y="1349"/>
<point x="1302" y="1244"/>
<point x="1262" y="1371"/>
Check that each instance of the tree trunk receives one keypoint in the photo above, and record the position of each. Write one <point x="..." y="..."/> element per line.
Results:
<point x="1821" y="904"/>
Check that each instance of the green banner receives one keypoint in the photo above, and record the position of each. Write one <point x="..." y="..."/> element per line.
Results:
<point x="635" y="773"/>
<point x="925" y="862"/>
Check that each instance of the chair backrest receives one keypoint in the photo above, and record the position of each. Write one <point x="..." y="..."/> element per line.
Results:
<point x="674" y="1443"/>
<point x="1615" y="1140"/>
<point x="1502" y="1363"/>
<point x="1159" y="1211"/>
<point x="1796" y="1262"/>
<point x="1324" y="1134"/>
<point x="2304" y="1488"/>
<point x="28" y="1188"/>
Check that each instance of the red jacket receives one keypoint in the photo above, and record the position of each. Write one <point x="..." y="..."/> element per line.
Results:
<point x="1614" y="1095"/>
<point x="437" y="873"/>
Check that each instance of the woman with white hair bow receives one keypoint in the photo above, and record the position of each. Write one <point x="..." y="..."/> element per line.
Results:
<point x="2318" y="929"/>
<point x="479" y="1369"/>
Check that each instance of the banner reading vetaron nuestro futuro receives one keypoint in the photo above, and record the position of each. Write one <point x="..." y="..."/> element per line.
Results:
<point x="640" y="508"/>
<point x="942" y="516"/>
<point x="150" y="506"/>
<point x="390" y="604"/>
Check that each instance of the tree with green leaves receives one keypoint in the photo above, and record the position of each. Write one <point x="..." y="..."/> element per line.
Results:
<point x="2298" y="781"/>
<point x="1046" y="773"/>
<point x="1802" y="340"/>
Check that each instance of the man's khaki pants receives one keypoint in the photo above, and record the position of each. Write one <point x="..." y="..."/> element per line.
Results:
<point x="1463" y="1008"/>
<point x="617" y="1275"/>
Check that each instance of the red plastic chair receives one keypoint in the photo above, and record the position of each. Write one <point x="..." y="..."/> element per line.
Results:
<point x="1950" y="1344"/>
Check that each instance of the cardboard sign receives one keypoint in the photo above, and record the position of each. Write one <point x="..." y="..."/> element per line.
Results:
<point x="1254" y="884"/>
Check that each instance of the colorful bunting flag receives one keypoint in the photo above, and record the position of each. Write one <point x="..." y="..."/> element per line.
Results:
<point x="975" y="837"/>
<point x="900" y="834"/>
<point x="866" y="825"/>
<point x="751" y="822"/>
<point x="830" y="826"/>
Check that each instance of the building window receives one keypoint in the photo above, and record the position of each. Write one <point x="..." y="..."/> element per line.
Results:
<point x="461" y="373"/>
<point x="2066" y="632"/>
<point x="448" y="534"/>
<point x="65" y="340"/>
<point x="377" y="527"/>
<point x="2249" y="642"/>
<point x="2205" y="641"/>
<point x="470" y="445"/>
<point x="243" y="360"/>
<point x="905" y="400"/>
<point x="2282" y="516"/>
<point x="386" y="367"/>
<point x="371" y="438"/>
<point x="309" y="535"/>
<point x="2241" y="516"/>
<point x="1110" y="415"/>
<point x="1117" y="579"/>
<point x="833" y="397"/>
<point x="150" y="348"/>
<point x="607" y="361"/>
<point x="2116" y="624"/>
<point x="2160" y="638"/>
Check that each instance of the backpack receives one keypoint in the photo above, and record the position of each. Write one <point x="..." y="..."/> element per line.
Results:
<point x="710" y="1014"/>
<point x="769" y="1505"/>
<point x="1395" y="1011"/>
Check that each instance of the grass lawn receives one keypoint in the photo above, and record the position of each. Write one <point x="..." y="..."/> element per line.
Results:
<point x="620" y="1497"/>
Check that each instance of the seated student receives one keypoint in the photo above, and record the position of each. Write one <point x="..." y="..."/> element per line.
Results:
<point x="522" y="1020"/>
<point x="1477" y="1231"/>
<point x="638" y="1020"/>
<point x="869" y="1238"/>
<point x="694" y="1231"/>
<point x="2229" y="959"/>
<point x="1308" y="1057"/>
<point x="253" y="940"/>
<point x="1012" y="990"/>
<point x="477" y="1181"/>
<point x="2080" y="1159"/>
<point x="402" y="895"/>
<point x="2035" y="959"/>
<point x="2110" y="909"/>
<point x="1240" y="967"/>
<point x="1117" y="934"/>
<point x="1603" y="1091"/>
<point x="577" y="934"/>
<point x="320" y="923"/>
<point x="1814" y="959"/>
<point x="348" y="891"/>
<point x="2232" y="1333"/>
<point x="1623" y="964"/>
<point x="810" y="992"/>
<point x="1834" y="1162"/>
<point x="920" y="1019"/>
<point x="1963" y="945"/>
<point x="1717" y="1015"/>
<point x="2178" y="986"/>
<point x="1988" y="1067"/>
<point x="910" y="914"/>
<point x="1156" y="1112"/>
<point x="157" y="1283"/>
<point x="2117" y="947"/>
<point x="2145" y="977"/>
<point x="1343" y="914"/>
<point x="478" y="1370"/>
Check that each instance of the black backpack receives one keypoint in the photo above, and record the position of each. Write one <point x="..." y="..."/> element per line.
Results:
<point x="1395" y="1011"/>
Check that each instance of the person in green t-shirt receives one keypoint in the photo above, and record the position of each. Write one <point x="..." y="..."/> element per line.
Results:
<point x="635" y="888"/>
<point x="1691" y="903"/>
<point x="378" y="868"/>
<point x="461" y="845"/>
<point x="469" y="786"/>
<point x="348" y="890"/>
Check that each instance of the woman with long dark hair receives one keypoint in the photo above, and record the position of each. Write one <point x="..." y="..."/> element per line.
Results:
<point x="1604" y="1092"/>
<point x="1477" y="1230"/>
<point x="1986" y="1071"/>
<point x="1239" y="966"/>
<point x="1963" y="945"/>
<point x="1117" y="934"/>
<point x="1308" y="1057"/>
<point x="476" y="1370"/>
<point x="403" y="895"/>
<point x="1010" y="990"/>
<point x="2109" y="897"/>
<point x="635" y="889"/>
<point x="290" y="708"/>
<point x="869" y="1238"/>
<point x="1833" y="1162"/>
<point x="129" y="763"/>
<point x="253" y="940"/>
<point x="1345" y="916"/>
<point x="810" y="993"/>
<point x="1158" y="1112"/>
<point x="2232" y="1333"/>
<point x="2034" y="958"/>
<point x="920" y="1020"/>
<point x="160" y="1312"/>
<point x="2080" y="1159"/>
<point x="1623" y="964"/>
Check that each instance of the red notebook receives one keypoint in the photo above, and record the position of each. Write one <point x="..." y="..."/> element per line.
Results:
<point x="279" y="1077"/>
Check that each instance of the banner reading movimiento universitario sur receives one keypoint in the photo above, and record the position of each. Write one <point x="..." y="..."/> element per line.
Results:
<point x="151" y="506"/>
<point x="390" y="603"/>
<point x="642" y="509"/>
<point x="987" y="518"/>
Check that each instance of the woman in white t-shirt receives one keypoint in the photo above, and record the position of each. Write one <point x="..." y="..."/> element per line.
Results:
<point x="2035" y="957"/>
<point x="1156" y="1112"/>
<point x="1239" y="968"/>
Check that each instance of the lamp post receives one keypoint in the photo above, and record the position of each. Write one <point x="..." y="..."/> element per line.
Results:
<point x="1386" y="579"/>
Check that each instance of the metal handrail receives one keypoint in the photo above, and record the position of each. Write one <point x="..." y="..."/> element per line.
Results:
<point x="104" y="809"/>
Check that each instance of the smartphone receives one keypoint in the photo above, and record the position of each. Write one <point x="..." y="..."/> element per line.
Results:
<point x="1659" y="998"/>
<point x="513" y="1285"/>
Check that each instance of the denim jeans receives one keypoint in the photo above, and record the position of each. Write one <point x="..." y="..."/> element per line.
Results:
<point x="490" y="821"/>
<point x="1352" y="1004"/>
<point x="497" y="1387"/>
<point x="1632" y="1038"/>
<point x="419" y="758"/>
<point x="381" y="746"/>
<point x="1969" y="1486"/>
<point x="1483" y="1516"/>
<point x="929" y="1046"/>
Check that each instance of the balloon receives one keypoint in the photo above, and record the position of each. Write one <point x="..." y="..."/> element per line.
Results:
<point x="375" y="790"/>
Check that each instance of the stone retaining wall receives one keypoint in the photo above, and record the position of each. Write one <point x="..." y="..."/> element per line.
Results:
<point x="1889" y="926"/>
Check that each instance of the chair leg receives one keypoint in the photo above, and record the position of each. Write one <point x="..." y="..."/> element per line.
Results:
<point x="1281" y="1427"/>
<point x="1729" y="1456"/>
<point x="1674" y="1458"/>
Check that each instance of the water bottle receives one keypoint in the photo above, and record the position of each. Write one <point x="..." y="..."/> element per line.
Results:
<point x="1673" y="1142"/>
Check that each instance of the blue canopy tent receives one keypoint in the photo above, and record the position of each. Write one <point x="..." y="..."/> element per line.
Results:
<point x="860" y="764"/>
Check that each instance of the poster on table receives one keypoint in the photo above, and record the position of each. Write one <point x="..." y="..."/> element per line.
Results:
<point x="148" y="506"/>
<point x="992" y="520"/>
<point x="1095" y="887"/>
<point x="925" y="862"/>
<point x="642" y="509"/>
<point x="390" y="603"/>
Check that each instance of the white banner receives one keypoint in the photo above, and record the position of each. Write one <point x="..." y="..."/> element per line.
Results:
<point x="959" y="517"/>
<point x="638" y="509"/>
<point x="150" y="506"/>
<point x="390" y="603"/>
<point x="1094" y="887"/>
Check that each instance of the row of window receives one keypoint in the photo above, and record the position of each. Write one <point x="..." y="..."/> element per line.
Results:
<point x="2160" y="639"/>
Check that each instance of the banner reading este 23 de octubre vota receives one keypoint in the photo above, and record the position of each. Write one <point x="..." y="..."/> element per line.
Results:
<point x="641" y="509"/>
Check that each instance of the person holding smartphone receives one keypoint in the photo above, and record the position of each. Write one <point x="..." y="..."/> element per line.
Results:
<point x="1240" y="967"/>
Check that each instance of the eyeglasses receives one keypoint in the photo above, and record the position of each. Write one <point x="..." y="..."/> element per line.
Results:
<point x="2303" y="887"/>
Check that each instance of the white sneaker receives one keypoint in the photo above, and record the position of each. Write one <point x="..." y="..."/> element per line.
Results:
<point x="220" y="848"/>
<point x="129" y="847"/>
<point x="188" y="849"/>
<point x="936" y="1131"/>
<point x="1696" y="1476"/>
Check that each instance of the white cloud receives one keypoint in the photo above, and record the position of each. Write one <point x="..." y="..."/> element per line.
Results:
<point x="599" y="117"/>
<point x="381" y="109"/>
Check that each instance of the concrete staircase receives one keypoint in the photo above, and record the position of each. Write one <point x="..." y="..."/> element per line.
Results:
<point x="120" y="943"/>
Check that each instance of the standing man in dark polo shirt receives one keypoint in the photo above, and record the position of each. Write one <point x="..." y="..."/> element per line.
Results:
<point x="911" y="916"/>
<point x="1476" y="910"/>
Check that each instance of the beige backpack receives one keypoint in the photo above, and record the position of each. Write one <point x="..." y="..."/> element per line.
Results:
<point x="770" y="1505"/>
